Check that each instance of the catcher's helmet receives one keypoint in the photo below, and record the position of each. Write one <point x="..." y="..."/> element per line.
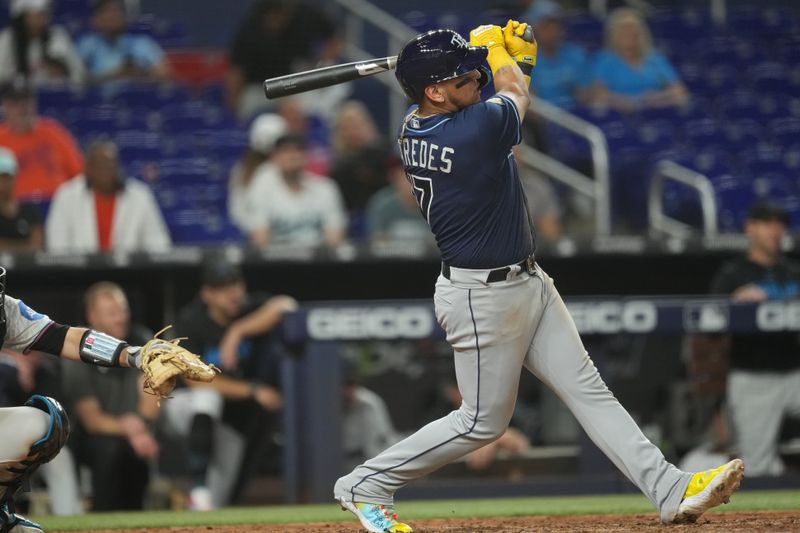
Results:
<point x="435" y="56"/>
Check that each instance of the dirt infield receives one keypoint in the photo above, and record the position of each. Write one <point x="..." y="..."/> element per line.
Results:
<point x="719" y="522"/>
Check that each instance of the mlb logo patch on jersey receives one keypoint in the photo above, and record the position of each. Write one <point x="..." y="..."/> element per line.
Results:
<point x="29" y="313"/>
<point x="495" y="100"/>
<point x="414" y="123"/>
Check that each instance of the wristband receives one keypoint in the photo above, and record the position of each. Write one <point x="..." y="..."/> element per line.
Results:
<point x="99" y="349"/>
<point x="135" y="357"/>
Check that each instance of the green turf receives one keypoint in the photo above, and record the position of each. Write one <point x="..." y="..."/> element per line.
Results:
<point x="573" y="505"/>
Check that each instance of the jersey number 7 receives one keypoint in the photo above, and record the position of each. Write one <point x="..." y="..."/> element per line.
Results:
<point x="423" y="192"/>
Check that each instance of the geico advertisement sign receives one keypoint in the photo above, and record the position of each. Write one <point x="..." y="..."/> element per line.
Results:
<point x="614" y="317"/>
<point x="777" y="316"/>
<point x="370" y="323"/>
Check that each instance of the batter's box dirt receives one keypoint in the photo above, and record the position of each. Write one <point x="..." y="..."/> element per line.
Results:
<point x="772" y="522"/>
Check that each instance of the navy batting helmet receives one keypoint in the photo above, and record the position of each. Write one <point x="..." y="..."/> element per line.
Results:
<point x="435" y="56"/>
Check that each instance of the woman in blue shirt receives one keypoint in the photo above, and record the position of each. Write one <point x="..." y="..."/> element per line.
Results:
<point x="629" y="74"/>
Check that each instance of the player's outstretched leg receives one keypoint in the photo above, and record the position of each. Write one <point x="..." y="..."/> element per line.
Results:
<point x="31" y="436"/>
<point x="558" y="358"/>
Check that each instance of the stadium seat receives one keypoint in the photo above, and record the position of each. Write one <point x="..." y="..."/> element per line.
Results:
<point x="784" y="131"/>
<point x="703" y="132"/>
<point x="656" y="135"/>
<point x="741" y="135"/>
<point x="741" y="104"/>
<point x="769" y="77"/>
<point x="713" y="161"/>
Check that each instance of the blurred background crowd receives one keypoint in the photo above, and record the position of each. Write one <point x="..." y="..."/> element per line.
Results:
<point x="133" y="126"/>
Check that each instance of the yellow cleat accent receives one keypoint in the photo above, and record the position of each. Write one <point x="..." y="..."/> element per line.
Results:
<point x="700" y="480"/>
<point x="709" y="489"/>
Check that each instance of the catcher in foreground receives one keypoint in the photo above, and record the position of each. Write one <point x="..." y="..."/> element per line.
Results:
<point x="33" y="434"/>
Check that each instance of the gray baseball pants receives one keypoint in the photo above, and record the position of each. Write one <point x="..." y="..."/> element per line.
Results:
<point x="495" y="329"/>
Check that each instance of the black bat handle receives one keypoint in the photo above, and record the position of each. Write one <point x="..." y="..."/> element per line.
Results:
<point x="325" y="77"/>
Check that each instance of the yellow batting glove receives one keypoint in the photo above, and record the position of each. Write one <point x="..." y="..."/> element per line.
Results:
<point x="491" y="37"/>
<point x="522" y="51"/>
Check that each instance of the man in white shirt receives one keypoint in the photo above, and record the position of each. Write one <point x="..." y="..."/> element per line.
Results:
<point x="101" y="210"/>
<point x="293" y="206"/>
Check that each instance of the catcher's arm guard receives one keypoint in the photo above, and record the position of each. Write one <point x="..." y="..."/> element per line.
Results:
<point x="162" y="361"/>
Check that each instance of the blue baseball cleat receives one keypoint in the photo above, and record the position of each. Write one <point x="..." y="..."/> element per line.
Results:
<point x="376" y="518"/>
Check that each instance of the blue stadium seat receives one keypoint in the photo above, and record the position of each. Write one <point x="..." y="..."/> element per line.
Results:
<point x="679" y="24"/>
<point x="734" y="197"/>
<point x="656" y="135"/>
<point x="138" y="145"/>
<point x="757" y="20"/>
<point x="785" y="130"/>
<point x="720" y="79"/>
<point x="703" y="132"/>
<point x="741" y="135"/>
<point x="791" y="160"/>
<point x="769" y="76"/>
<point x="741" y="104"/>
<point x="584" y="29"/>
<point x="149" y="95"/>
<point x="713" y="161"/>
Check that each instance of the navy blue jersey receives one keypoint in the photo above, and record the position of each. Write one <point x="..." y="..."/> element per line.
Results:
<point x="465" y="180"/>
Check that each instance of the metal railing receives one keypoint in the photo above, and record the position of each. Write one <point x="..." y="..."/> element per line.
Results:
<point x="359" y="12"/>
<point x="659" y="221"/>
<point x="596" y="188"/>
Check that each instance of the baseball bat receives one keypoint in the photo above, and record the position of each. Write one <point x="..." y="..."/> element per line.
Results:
<point x="326" y="76"/>
<point x="335" y="74"/>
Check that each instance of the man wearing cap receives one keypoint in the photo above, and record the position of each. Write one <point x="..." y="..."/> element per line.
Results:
<point x="47" y="154"/>
<point x="764" y="379"/>
<point x="561" y="66"/>
<point x="264" y="131"/>
<point x="295" y="206"/>
<point x="20" y="224"/>
<point x="228" y="327"/>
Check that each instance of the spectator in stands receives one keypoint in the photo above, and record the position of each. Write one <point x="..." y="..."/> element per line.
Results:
<point x="295" y="206"/>
<point x="367" y="427"/>
<point x="561" y="66"/>
<point x="359" y="156"/>
<point x="629" y="74"/>
<point x="33" y="49"/>
<point x="111" y="53"/>
<point x="544" y="205"/>
<point x="393" y="213"/>
<point x="113" y="414"/>
<point x="47" y="154"/>
<point x="20" y="224"/>
<point x="264" y="131"/>
<point x="102" y="210"/>
<point x="271" y="40"/>
<point x="764" y="380"/>
<point x="230" y="328"/>
<point x="290" y="108"/>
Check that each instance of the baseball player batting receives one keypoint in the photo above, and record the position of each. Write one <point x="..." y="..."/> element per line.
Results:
<point x="499" y="309"/>
<point x="34" y="434"/>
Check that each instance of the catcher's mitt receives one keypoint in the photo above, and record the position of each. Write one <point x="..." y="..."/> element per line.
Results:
<point x="163" y="361"/>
